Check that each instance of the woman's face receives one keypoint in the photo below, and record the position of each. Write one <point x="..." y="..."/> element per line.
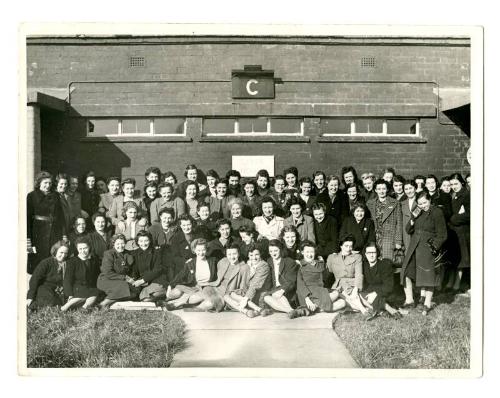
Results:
<point x="423" y="203"/>
<point x="186" y="226"/>
<point x="119" y="245"/>
<point x="192" y="174"/>
<point x="45" y="185"/>
<point x="221" y="190"/>
<point x="359" y="214"/>
<point x="349" y="177"/>
<point x="191" y="192"/>
<point x="166" y="220"/>
<point x="100" y="224"/>
<point x="398" y="187"/>
<point x="267" y="209"/>
<point x="73" y="184"/>
<point x="308" y="253"/>
<point x="151" y="192"/>
<point x="381" y="191"/>
<point x="236" y="211"/>
<point x="333" y="187"/>
<point x="204" y="212"/>
<point x="290" y="238"/>
<point x="254" y="257"/>
<point x="170" y="180"/>
<point x="90" y="182"/>
<point x="62" y="254"/>
<point x="371" y="254"/>
<point x="211" y="181"/>
<point x="319" y="214"/>
<point x="224" y="231"/>
<point x="279" y="185"/>
<point x="319" y="181"/>
<point x="246" y="238"/>
<point x="305" y="188"/>
<point x="388" y="176"/>
<point x="153" y="177"/>
<point x="296" y="210"/>
<point x="166" y="193"/>
<point x="234" y="181"/>
<point x="291" y="180"/>
<point x="249" y="190"/>
<point x="346" y="248"/>
<point x="143" y="242"/>
<point x="456" y="185"/>
<point x="274" y="252"/>
<point x="101" y="186"/>
<point x="80" y="225"/>
<point x="410" y="191"/>
<point x="200" y="251"/>
<point x="62" y="184"/>
<point x="446" y="186"/>
<point x="128" y="190"/>
<point x="113" y="187"/>
<point x="368" y="184"/>
<point x="430" y="184"/>
<point x="232" y="255"/>
<point x="352" y="193"/>
<point x="420" y="184"/>
<point x="131" y="213"/>
<point x="262" y="182"/>
<point x="83" y="250"/>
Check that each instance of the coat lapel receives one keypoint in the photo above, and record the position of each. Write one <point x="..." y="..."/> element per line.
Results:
<point x="391" y="205"/>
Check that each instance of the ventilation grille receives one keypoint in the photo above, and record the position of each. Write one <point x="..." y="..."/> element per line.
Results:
<point x="136" y="62"/>
<point x="368" y="62"/>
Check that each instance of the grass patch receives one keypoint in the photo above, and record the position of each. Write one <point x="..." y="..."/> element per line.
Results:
<point x="441" y="340"/>
<point x="103" y="339"/>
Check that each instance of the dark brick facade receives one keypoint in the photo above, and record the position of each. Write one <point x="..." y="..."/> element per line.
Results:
<point x="326" y="72"/>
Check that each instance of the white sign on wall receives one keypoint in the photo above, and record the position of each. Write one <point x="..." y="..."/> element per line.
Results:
<point x="248" y="166"/>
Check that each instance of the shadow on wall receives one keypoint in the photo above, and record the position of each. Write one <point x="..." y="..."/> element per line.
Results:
<point x="65" y="148"/>
<point x="461" y="117"/>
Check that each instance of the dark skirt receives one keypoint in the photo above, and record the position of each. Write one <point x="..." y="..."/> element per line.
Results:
<point x="320" y="296"/>
<point x="424" y="274"/>
<point x="463" y="234"/>
<point x="44" y="236"/>
<point x="85" y="292"/>
<point x="47" y="296"/>
<point x="115" y="289"/>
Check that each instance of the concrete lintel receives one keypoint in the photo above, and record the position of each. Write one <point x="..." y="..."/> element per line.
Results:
<point x="46" y="101"/>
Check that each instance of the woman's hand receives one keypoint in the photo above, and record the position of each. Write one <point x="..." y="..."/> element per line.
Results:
<point x="397" y="246"/>
<point x="70" y="298"/>
<point x="129" y="280"/>
<point x="370" y="297"/>
<point x="310" y="305"/>
<point x="278" y="294"/>
<point x="139" y="282"/>
<point x="169" y="291"/>
<point x="243" y="303"/>
<point x="143" y="222"/>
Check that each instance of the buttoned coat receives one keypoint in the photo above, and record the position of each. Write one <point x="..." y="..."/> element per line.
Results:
<point x="148" y="266"/>
<point x="253" y="285"/>
<point x="305" y="227"/>
<point x="460" y="223"/>
<point x="114" y="268"/>
<point x="287" y="277"/>
<point x="187" y="275"/>
<point x="388" y="232"/>
<point x="327" y="236"/>
<point x="338" y="208"/>
<point x="228" y="276"/>
<point x="348" y="270"/>
<point x="363" y="232"/>
<point x="406" y="213"/>
<point x="115" y="213"/>
<point x="269" y="230"/>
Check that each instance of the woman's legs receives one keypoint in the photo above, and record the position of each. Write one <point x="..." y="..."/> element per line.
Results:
<point x="71" y="303"/>
<point x="281" y="304"/>
<point x="106" y="303"/>
<point x="90" y="302"/>
<point x="408" y="288"/>
<point x="429" y="291"/>
<point x="174" y="294"/>
<point x="234" y="304"/>
<point x="338" y="303"/>
<point x="251" y="304"/>
<point x="458" y="279"/>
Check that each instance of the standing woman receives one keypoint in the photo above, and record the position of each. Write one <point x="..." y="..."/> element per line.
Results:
<point x="74" y="197"/>
<point x="280" y="197"/>
<point x="80" y="279"/>
<point x="409" y="209"/>
<point x="150" y="195"/>
<point x="100" y="237"/>
<point x="152" y="174"/>
<point x="428" y="233"/>
<point x="334" y="200"/>
<point x="360" y="226"/>
<point x="319" y="183"/>
<point x="305" y="196"/>
<point x="349" y="176"/>
<point x="212" y="178"/>
<point x="62" y="182"/>
<point x="263" y="183"/>
<point x="166" y="200"/>
<point x="291" y="177"/>
<point x="219" y="203"/>
<point x="46" y="283"/>
<point x="445" y="185"/>
<point x="114" y="279"/>
<point x="130" y="226"/>
<point x="45" y="220"/>
<point x="326" y="231"/>
<point x="460" y="223"/>
<point x="368" y="181"/>
<point x="386" y="214"/>
<point x="107" y="198"/>
<point x="251" y="200"/>
<point x="171" y="178"/>
<point x="101" y="185"/>
<point x="353" y="196"/>
<point x="191" y="190"/>
<point x="90" y="196"/>
<point x="192" y="175"/>
<point x="116" y="211"/>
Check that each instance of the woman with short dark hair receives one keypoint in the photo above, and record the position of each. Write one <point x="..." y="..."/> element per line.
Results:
<point x="150" y="195"/>
<point x="128" y="195"/>
<point x="263" y="182"/>
<point x="212" y="178"/>
<point x="192" y="174"/>
<point x="100" y="237"/>
<point x="219" y="203"/>
<point x="62" y="182"/>
<point x="167" y="199"/>
<point x="152" y="174"/>
<point x="79" y="230"/>
<point x="305" y="189"/>
<point x="360" y="226"/>
<point x="251" y="199"/>
<point x="268" y="225"/>
<point x="334" y="199"/>
<point x="90" y="196"/>
<point x="319" y="183"/>
<point x="191" y="193"/>
<point x="113" y="184"/>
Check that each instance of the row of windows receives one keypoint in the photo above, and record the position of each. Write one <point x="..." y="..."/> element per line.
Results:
<point x="254" y="126"/>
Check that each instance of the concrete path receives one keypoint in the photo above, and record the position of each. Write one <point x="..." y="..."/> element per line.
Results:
<point x="229" y="339"/>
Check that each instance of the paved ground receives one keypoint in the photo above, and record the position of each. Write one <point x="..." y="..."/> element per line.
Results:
<point x="229" y="339"/>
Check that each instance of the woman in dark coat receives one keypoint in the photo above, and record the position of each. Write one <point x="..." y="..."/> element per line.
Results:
<point x="334" y="199"/>
<point x="46" y="283"/>
<point x="80" y="279"/>
<point x="325" y="230"/>
<point x="90" y="195"/>
<point x="99" y="238"/>
<point x="291" y="242"/>
<point x="116" y="266"/>
<point x="79" y="230"/>
<point x="360" y="226"/>
<point x="181" y="240"/>
<point x="251" y="199"/>
<point x="460" y="223"/>
<point x="45" y="220"/>
<point x="148" y="272"/>
<point x="428" y="233"/>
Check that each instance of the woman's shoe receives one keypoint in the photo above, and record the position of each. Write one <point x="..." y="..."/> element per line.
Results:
<point x="251" y="313"/>
<point x="426" y="310"/>
<point x="372" y="316"/>
<point x="397" y="315"/>
<point x="407" y="306"/>
<point x="266" y="312"/>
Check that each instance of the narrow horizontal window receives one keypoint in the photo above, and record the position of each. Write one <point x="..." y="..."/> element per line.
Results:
<point x="287" y="126"/>
<point x="332" y="126"/>
<point x="402" y="126"/>
<point x="102" y="127"/>
<point x="136" y="126"/>
<point x="218" y="126"/>
<point x="169" y="126"/>
<point x="369" y="126"/>
<point x="252" y="125"/>
<point x="255" y="126"/>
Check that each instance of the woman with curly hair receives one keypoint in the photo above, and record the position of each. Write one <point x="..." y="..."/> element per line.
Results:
<point x="130" y="225"/>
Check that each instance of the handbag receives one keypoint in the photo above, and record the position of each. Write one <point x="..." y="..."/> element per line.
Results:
<point x="398" y="257"/>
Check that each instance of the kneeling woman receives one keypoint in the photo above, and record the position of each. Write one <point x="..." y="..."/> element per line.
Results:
<point x="80" y="279"/>
<point x="312" y="295"/>
<point x="255" y="278"/>
<point x="116" y="266"/>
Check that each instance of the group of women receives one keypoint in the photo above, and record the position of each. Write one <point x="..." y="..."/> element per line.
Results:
<point x="256" y="245"/>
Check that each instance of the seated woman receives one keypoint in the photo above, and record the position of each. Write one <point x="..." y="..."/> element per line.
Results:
<point x="250" y="198"/>
<point x="46" y="283"/>
<point x="150" y="195"/>
<point x="106" y="201"/>
<point x="283" y="279"/>
<point x="304" y="224"/>
<point x="181" y="240"/>
<point x="311" y="293"/>
<point x="305" y="196"/>
<point x="80" y="279"/>
<point x="219" y="203"/>
<point x="100" y="237"/>
<point x="347" y="267"/>
<point x="130" y="225"/>
<point x="186" y="286"/>
<point x="360" y="226"/>
<point x="166" y="200"/>
<point x="114" y="279"/>
<point x="163" y="232"/>
<point x="217" y="247"/>
<point x="235" y="206"/>
<point x="206" y="225"/>
<point x="79" y="230"/>
<point x="255" y="279"/>
<point x="191" y="192"/>
<point x="268" y="225"/>
<point x="248" y="238"/>
<point x="319" y="183"/>
<point x="291" y="240"/>
<point x="116" y="211"/>
<point x="148" y="270"/>
<point x="263" y="182"/>
<point x="379" y="282"/>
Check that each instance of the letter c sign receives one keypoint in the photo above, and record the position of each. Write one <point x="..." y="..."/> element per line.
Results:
<point x="249" y="89"/>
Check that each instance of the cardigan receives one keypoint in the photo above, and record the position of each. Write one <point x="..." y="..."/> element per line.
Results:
<point x="305" y="227"/>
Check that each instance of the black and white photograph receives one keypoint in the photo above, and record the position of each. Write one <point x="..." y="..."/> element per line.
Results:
<point x="198" y="198"/>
